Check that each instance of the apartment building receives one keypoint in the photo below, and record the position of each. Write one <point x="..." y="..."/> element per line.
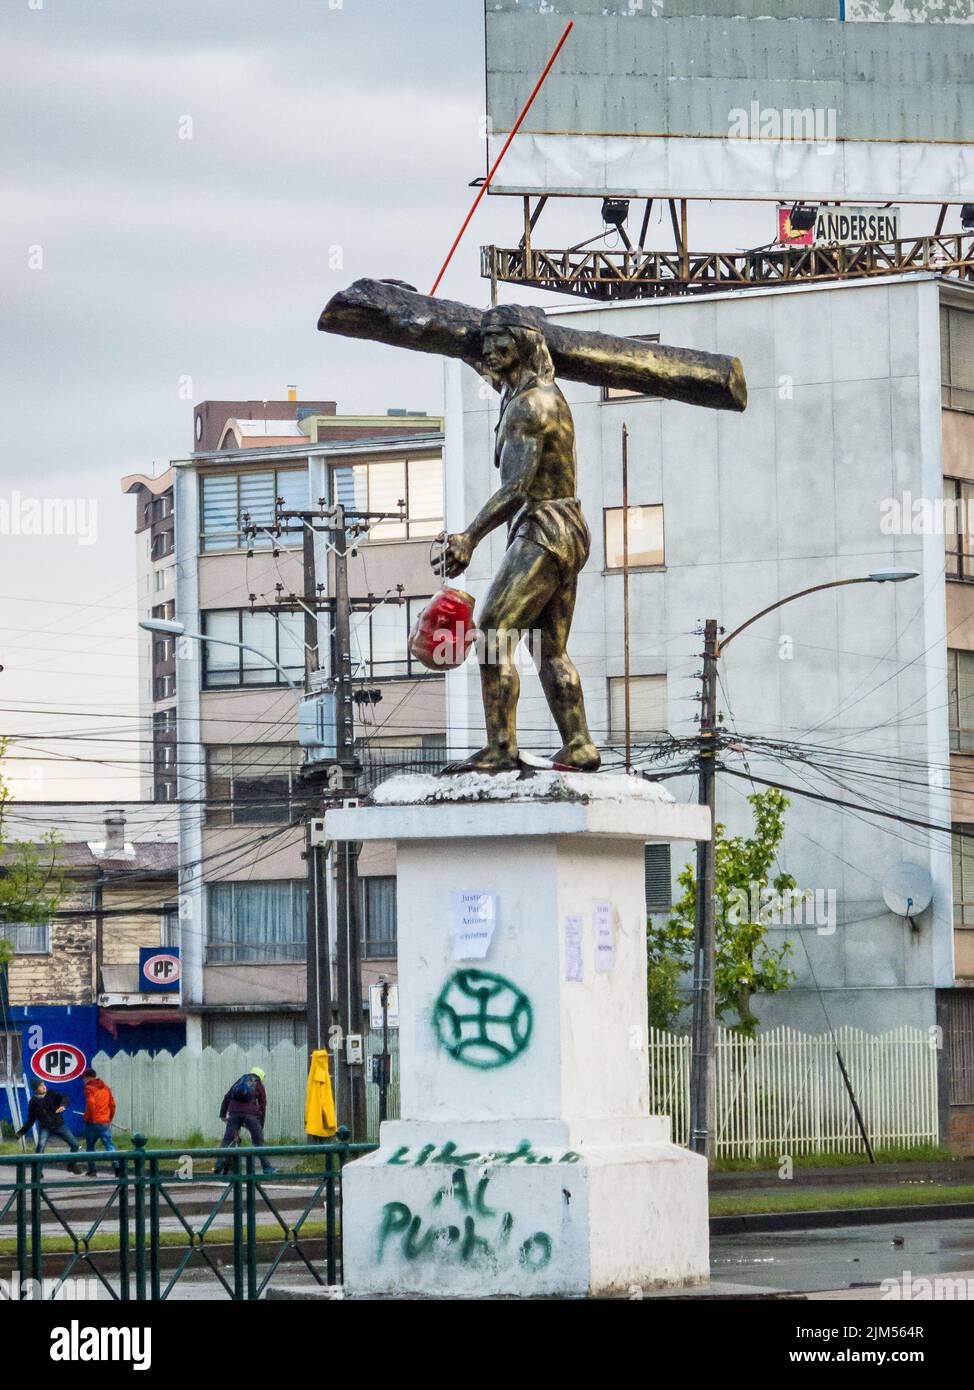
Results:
<point x="861" y="402"/>
<point x="78" y="985"/>
<point x="243" y="876"/>
<point x="155" y="569"/>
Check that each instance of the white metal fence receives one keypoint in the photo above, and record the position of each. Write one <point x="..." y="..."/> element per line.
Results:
<point x="783" y="1092"/>
<point x="172" y="1096"/>
<point x="780" y="1093"/>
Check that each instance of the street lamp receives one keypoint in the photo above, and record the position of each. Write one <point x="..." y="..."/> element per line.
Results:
<point x="167" y="627"/>
<point x="704" y="1025"/>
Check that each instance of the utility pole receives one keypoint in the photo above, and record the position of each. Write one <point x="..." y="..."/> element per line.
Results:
<point x="704" y="1027"/>
<point x="384" y="1059"/>
<point x="346" y="856"/>
<point x="625" y="594"/>
<point x="318" y="943"/>
<point x="336" y="522"/>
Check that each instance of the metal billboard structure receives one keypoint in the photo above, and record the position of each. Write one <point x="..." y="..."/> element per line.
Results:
<point x="834" y="109"/>
<point x="851" y="100"/>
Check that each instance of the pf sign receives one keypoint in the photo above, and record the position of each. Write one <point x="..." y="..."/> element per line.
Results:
<point x="159" y="970"/>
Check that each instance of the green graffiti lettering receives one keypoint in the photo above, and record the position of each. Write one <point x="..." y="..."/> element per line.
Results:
<point x="396" y="1217"/>
<point x="473" y="1245"/>
<point x="523" y="1150"/>
<point x="535" y="1252"/>
<point x="479" y="1202"/>
<point x="467" y="1243"/>
<point x="412" y="1246"/>
<point x="448" y="1154"/>
<point x="482" y="1020"/>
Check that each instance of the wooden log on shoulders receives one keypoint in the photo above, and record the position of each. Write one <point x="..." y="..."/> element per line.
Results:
<point x="391" y="313"/>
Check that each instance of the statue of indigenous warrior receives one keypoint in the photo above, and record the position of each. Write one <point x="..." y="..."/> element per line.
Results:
<point x="548" y="540"/>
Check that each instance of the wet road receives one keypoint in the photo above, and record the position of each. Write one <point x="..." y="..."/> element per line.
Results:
<point x="843" y="1257"/>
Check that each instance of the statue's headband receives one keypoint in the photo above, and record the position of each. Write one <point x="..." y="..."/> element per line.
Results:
<point x="513" y="316"/>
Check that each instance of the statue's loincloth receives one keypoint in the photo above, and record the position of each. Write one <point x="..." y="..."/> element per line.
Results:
<point x="557" y="526"/>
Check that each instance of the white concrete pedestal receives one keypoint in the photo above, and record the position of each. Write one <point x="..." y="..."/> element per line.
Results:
<point x="525" y="1162"/>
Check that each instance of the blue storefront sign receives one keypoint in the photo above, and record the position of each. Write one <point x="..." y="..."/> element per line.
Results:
<point x="57" y="1044"/>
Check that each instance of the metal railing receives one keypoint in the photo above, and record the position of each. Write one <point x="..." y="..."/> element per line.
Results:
<point x="609" y="273"/>
<point x="155" y="1218"/>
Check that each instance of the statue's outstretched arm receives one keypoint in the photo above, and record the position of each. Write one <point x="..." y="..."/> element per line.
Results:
<point x="519" y="460"/>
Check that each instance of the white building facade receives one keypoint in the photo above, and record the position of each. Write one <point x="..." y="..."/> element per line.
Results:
<point x="854" y="411"/>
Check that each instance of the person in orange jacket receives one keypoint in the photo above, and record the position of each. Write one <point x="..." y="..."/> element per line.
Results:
<point x="99" y="1113"/>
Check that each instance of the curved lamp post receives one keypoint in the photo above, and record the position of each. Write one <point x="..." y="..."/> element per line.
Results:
<point x="704" y="1026"/>
<point x="167" y="627"/>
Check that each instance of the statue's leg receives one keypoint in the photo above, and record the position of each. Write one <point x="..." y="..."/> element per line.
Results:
<point x="561" y="683"/>
<point x="522" y="587"/>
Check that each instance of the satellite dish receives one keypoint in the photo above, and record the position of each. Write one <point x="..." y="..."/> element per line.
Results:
<point x="907" y="889"/>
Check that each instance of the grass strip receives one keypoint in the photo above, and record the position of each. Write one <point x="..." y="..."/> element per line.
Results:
<point x="837" y="1199"/>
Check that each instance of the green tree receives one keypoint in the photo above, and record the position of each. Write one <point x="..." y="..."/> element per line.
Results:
<point x="746" y="964"/>
<point x="32" y="878"/>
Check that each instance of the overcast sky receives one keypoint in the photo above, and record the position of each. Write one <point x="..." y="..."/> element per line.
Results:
<point x="132" y="259"/>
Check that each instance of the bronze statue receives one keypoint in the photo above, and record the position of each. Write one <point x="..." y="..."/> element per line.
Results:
<point x="548" y="540"/>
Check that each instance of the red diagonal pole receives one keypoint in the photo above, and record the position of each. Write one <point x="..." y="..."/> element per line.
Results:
<point x="493" y="168"/>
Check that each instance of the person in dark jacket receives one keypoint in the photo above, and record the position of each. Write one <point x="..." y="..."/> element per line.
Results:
<point x="46" y="1111"/>
<point x="245" y="1107"/>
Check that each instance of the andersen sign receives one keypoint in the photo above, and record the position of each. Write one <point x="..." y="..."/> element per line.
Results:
<point x="842" y="224"/>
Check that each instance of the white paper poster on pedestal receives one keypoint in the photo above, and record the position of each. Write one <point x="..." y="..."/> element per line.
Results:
<point x="603" y="916"/>
<point x="474" y="920"/>
<point x="574" y="967"/>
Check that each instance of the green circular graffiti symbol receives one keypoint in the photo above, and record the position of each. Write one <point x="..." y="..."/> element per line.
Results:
<point x="482" y="1020"/>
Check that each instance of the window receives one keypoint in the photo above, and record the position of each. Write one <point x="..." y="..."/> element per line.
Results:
<point x="379" y="638"/>
<point x="960" y="700"/>
<point x="163" y="687"/>
<point x="169" y="925"/>
<point x="962" y="854"/>
<point x="659" y="897"/>
<point x="623" y="393"/>
<point x="958" y="509"/>
<point x="377" y="914"/>
<point x="645" y="536"/>
<point x="251" y="784"/>
<point x="229" y="498"/>
<point x="256" y="923"/>
<point x="280" y="636"/>
<point x="379" y="487"/>
<point x="161" y="545"/>
<point x="28" y="938"/>
<point x="254" y="1030"/>
<point x="164" y="791"/>
<point x="165" y="610"/>
<point x="647" y="709"/>
<point x="11" y="1059"/>
<point x="957" y="358"/>
<point x="163" y="722"/>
